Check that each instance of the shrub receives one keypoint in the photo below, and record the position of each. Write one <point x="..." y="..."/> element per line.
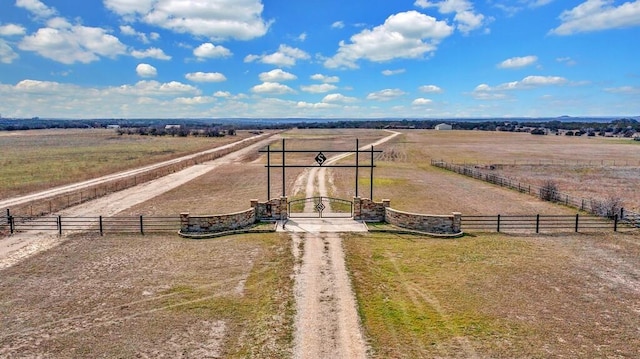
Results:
<point x="608" y="207"/>
<point x="549" y="191"/>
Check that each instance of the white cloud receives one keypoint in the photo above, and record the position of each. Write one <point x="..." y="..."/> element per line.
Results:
<point x="286" y="56"/>
<point x="153" y="88"/>
<point x="517" y="62"/>
<point x="325" y="79"/>
<point x="272" y="88"/>
<point x="68" y="43"/>
<point x="430" y="89"/>
<point x="393" y="72"/>
<point x="322" y="88"/>
<point x="276" y="75"/>
<point x="597" y="15"/>
<point x="222" y="94"/>
<point x="404" y="35"/>
<point x="337" y="25"/>
<point x="205" y="77"/>
<point x="192" y="101"/>
<point x="422" y="102"/>
<point x="146" y="70"/>
<point x="465" y="16"/>
<point x="37" y="8"/>
<point x="130" y="31"/>
<point x="624" y="90"/>
<point x="215" y="19"/>
<point x="486" y="92"/>
<point x="211" y="51"/>
<point x="385" y="95"/>
<point x="7" y="55"/>
<point x="152" y="52"/>
<point x="12" y="30"/>
<point x="302" y="37"/>
<point x="567" y="61"/>
<point x="338" y="98"/>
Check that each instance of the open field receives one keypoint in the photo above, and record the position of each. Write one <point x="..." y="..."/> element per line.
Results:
<point x="150" y="297"/>
<point x="40" y="159"/>
<point x="484" y="295"/>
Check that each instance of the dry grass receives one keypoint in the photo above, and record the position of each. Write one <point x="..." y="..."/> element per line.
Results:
<point x="495" y="296"/>
<point x="40" y="159"/>
<point x="150" y="297"/>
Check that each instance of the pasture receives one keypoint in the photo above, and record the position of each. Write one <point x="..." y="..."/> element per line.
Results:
<point x="483" y="295"/>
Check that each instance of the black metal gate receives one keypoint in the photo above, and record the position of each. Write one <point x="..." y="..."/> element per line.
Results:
<point x="322" y="207"/>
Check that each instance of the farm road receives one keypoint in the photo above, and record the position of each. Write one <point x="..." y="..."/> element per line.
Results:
<point x="21" y="245"/>
<point x="326" y="322"/>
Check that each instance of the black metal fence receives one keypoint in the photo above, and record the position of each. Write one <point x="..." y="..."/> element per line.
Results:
<point x="589" y="205"/>
<point x="539" y="223"/>
<point x="59" y="224"/>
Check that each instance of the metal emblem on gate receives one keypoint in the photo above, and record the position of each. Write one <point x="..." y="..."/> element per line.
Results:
<point x="320" y="207"/>
<point x="320" y="158"/>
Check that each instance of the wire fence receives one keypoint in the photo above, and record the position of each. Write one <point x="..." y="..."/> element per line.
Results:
<point x="594" y="206"/>
<point x="540" y="223"/>
<point x="59" y="224"/>
<point x="564" y="162"/>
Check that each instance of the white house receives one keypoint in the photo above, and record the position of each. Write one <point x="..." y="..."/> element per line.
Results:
<point x="443" y="127"/>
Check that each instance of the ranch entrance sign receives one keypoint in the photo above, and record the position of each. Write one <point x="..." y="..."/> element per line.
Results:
<point x="320" y="159"/>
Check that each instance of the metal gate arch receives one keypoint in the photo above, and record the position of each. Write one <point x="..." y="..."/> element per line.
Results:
<point x="323" y="207"/>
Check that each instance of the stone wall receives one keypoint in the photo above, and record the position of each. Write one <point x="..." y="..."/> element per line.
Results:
<point x="272" y="210"/>
<point x="447" y="224"/>
<point x="364" y="209"/>
<point x="216" y="223"/>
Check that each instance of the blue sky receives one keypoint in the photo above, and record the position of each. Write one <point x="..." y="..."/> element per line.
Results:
<point x="324" y="59"/>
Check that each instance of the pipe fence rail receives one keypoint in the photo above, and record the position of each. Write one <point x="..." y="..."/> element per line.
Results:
<point x="59" y="224"/>
<point x="590" y="205"/>
<point x="539" y="223"/>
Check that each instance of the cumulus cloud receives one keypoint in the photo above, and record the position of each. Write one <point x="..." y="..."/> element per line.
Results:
<point x="7" y="55"/>
<point x="130" y="31"/>
<point x="37" y="8"/>
<point x="211" y="51"/>
<point x="465" y="17"/>
<point x="192" y="101"/>
<point x="422" y="102"/>
<point x="12" y="30"/>
<point x="286" y="56"/>
<point x="272" y="88"/>
<point x="393" y="72"/>
<point x="337" y="25"/>
<point x="325" y="79"/>
<point x="205" y="77"/>
<point x="215" y="19"/>
<point x="322" y="88"/>
<point x="276" y="75"/>
<point x="430" y="89"/>
<point x="486" y="92"/>
<point x="153" y="52"/>
<point x="338" y="98"/>
<point x="517" y="62"/>
<point x="155" y="88"/>
<point x="385" y="95"/>
<point x="404" y="35"/>
<point x="567" y="61"/>
<point x="66" y="43"/>
<point x="624" y="90"/>
<point x="146" y="70"/>
<point x="598" y="15"/>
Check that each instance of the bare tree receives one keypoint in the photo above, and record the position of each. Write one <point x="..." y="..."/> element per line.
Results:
<point x="549" y="191"/>
<point x="608" y="207"/>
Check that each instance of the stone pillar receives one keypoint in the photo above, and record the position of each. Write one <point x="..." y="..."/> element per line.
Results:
<point x="184" y="222"/>
<point x="457" y="222"/>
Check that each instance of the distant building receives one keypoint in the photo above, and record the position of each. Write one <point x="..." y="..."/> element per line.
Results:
<point x="443" y="127"/>
<point x="113" y="127"/>
<point x="167" y="127"/>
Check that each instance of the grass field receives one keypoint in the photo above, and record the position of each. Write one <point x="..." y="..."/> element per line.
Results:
<point x="40" y="159"/>
<point x="483" y="295"/>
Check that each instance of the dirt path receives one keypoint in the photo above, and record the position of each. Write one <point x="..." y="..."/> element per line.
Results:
<point x="22" y="245"/>
<point x="326" y="322"/>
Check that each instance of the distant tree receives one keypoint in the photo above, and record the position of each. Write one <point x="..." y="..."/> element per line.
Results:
<point x="549" y="191"/>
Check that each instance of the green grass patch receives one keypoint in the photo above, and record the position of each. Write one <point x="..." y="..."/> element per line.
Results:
<point x="419" y="296"/>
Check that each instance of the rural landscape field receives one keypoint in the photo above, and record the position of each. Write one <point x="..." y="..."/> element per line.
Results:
<point x="482" y="295"/>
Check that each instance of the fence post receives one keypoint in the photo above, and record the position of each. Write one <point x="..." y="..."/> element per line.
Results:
<point x="101" y="231"/>
<point x="577" y="216"/>
<point x="141" y="226"/>
<point x="498" y="229"/>
<point x="615" y="223"/>
<point x="59" y="225"/>
<point x="537" y="223"/>
<point x="11" y="225"/>
<point x="621" y="212"/>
